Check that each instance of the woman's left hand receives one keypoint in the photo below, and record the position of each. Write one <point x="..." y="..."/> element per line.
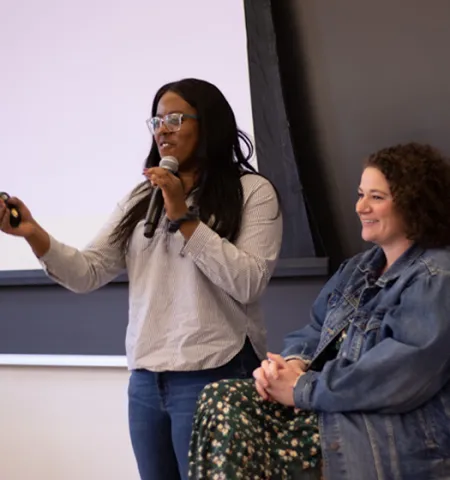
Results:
<point x="281" y="387"/>
<point x="172" y="190"/>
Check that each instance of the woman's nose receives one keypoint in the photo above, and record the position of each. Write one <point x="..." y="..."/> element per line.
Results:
<point x="362" y="205"/>
<point x="162" y="128"/>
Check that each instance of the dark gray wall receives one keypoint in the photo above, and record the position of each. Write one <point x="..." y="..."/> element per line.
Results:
<point x="286" y="306"/>
<point x="47" y="319"/>
<point x="370" y="74"/>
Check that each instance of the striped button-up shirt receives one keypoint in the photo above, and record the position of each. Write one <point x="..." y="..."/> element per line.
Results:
<point x="191" y="303"/>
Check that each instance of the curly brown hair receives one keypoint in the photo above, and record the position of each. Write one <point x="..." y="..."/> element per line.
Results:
<point x="419" y="179"/>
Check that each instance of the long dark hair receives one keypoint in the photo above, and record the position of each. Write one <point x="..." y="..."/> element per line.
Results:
<point x="218" y="192"/>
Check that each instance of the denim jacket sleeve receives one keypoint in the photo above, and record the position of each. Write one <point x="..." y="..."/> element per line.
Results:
<point x="303" y="343"/>
<point x="401" y="372"/>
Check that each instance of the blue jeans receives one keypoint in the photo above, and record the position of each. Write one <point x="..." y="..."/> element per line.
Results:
<point x="161" y="407"/>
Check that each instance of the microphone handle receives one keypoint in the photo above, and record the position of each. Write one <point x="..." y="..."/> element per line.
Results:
<point x="153" y="212"/>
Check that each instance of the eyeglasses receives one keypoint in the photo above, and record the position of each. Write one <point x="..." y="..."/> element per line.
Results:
<point x="172" y="121"/>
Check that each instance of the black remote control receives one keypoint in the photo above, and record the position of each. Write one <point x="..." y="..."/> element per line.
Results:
<point x="14" y="214"/>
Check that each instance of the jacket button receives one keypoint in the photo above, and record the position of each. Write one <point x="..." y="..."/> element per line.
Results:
<point x="334" y="446"/>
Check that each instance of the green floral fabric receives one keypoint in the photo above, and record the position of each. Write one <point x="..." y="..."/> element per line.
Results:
<point x="238" y="435"/>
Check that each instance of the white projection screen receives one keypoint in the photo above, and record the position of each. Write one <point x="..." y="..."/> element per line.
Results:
<point x="77" y="82"/>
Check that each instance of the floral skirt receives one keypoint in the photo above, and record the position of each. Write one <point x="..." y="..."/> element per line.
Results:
<point x="238" y="435"/>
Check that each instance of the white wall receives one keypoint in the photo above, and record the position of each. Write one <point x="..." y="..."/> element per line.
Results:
<point x="64" y="424"/>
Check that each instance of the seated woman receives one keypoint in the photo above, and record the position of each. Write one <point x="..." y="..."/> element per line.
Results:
<point x="363" y="391"/>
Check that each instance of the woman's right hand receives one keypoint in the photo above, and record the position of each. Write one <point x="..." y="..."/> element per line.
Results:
<point x="269" y="370"/>
<point x="36" y="236"/>
<point x="27" y="225"/>
<point x="299" y="365"/>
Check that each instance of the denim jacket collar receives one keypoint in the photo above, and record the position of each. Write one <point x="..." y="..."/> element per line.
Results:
<point x="375" y="259"/>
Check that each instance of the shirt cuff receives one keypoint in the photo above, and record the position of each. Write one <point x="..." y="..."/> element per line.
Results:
<point x="50" y="253"/>
<point x="199" y="239"/>
<point x="49" y="257"/>
<point x="303" y="390"/>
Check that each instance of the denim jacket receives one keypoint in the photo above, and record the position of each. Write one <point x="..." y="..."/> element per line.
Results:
<point x="384" y="401"/>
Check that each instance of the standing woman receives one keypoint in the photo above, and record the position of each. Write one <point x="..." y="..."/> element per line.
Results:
<point x="195" y="285"/>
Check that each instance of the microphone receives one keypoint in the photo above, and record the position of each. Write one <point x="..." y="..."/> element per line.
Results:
<point x="156" y="200"/>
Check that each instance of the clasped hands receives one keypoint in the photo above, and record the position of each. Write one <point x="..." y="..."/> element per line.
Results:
<point x="275" y="378"/>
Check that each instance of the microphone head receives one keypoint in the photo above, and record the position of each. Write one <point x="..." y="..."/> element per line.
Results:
<point x="170" y="163"/>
